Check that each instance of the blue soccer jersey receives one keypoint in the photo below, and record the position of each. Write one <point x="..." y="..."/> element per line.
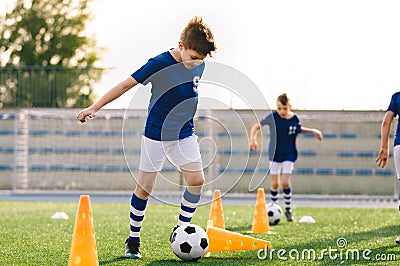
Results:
<point x="174" y="97"/>
<point x="394" y="106"/>
<point x="283" y="133"/>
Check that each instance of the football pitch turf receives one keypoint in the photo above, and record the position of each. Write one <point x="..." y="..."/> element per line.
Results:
<point x="340" y="236"/>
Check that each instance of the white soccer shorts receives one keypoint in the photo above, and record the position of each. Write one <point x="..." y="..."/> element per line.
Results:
<point x="179" y="152"/>
<point x="286" y="167"/>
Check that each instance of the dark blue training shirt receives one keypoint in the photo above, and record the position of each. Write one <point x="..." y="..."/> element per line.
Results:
<point x="394" y="107"/>
<point x="174" y="97"/>
<point x="282" y="145"/>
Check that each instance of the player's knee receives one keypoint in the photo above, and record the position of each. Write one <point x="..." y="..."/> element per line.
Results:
<point x="197" y="181"/>
<point x="285" y="184"/>
<point x="143" y="191"/>
<point x="274" y="185"/>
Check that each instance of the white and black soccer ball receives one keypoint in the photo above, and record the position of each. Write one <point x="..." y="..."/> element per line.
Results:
<point x="274" y="213"/>
<point x="189" y="242"/>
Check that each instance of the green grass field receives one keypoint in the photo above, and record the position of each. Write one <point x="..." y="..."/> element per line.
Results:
<point x="30" y="237"/>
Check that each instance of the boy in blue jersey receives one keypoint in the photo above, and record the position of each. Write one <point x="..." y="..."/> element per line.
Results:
<point x="169" y="129"/>
<point x="382" y="159"/>
<point x="282" y="152"/>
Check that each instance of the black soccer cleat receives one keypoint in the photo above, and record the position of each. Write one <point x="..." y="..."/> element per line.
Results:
<point x="132" y="249"/>
<point x="289" y="216"/>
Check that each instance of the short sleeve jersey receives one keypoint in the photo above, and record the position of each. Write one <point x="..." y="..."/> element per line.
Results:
<point x="283" y="133"/>
<point x="174" y="97"/>
<point x="394" y="106"/>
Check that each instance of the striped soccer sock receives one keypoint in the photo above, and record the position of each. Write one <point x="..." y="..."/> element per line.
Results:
<point x="274" y="194"/>
<point x="138" y="207"/>
<point x="287" y="196"/>
<point x="188" y="207"/>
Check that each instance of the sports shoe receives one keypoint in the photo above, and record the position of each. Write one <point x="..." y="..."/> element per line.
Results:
<point x="172" y="233"/>
<point x="132" y="249"/>
<point x="289" y="216"/>
<point x="398" y="241"/>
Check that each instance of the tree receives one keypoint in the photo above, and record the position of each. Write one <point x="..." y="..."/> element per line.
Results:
<point x="50" y="35"/>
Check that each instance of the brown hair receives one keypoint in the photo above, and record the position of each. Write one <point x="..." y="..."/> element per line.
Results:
<point x="283" y="99"/>
<point x="197" y="36"/>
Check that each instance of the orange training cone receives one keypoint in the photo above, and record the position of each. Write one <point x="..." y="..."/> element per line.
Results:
<point x="260" y="218"/>
<point x="83" y="247"/>
<point x="216" y="211"/>
<point x="224" y="240"/>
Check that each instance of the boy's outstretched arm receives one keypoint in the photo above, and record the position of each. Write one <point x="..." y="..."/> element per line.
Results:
<point x="317" y="133"/>
<point x="253" y="136"/>
<point x="383" y="155"/>
<point x="112" y="94"/>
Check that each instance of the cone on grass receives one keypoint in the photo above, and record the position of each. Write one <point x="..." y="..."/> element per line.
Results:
<point x="260" y="218"/>
<point x="216" y="211"/>
<point x="224" y="240"/>
<point x="83" y="247"/>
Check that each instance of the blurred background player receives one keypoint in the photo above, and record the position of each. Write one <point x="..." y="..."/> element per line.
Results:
<point x="169" y="129"/>
<point x="284" y="127"/>
<point x="382" y="159"/>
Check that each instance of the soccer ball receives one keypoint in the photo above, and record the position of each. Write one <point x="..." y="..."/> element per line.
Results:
<point x="274" y="213"/>
<point x="189" y="242"/>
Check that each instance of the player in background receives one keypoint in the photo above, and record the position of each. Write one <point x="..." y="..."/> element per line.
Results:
<point x="392" y="111"/>
<point x="169" y="129"/>
<point x="284" y="127"/>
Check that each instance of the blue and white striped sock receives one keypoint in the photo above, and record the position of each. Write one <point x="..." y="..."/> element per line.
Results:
<point x="138" y="207"/>
<point x="287" y="196"/>
<point x="188" y="207"/>
<point x="274" y="194"/>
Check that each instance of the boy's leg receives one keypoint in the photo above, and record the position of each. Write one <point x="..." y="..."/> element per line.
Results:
<point x="398" y="197"/>
<point x="191" y="196"/>
<point x="144" y="187"/>
<point x="287" y="169"/>
<point x="186" y="156"/>
<point x="396" y="158"/>
<point x="287" y="196"/>
<point x="194" y="177"/>
<point x="274" y="188"/>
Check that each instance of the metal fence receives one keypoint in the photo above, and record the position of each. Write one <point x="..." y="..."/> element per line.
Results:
<point x="45" y="86"/>
<point x="48" y="149"/>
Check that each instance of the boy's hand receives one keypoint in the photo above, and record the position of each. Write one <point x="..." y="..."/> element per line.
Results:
<point x="253" y="145"/>
<point x="87" y="112"/>
<point x="382" y="158"/>
<point x="318" y="134"/>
